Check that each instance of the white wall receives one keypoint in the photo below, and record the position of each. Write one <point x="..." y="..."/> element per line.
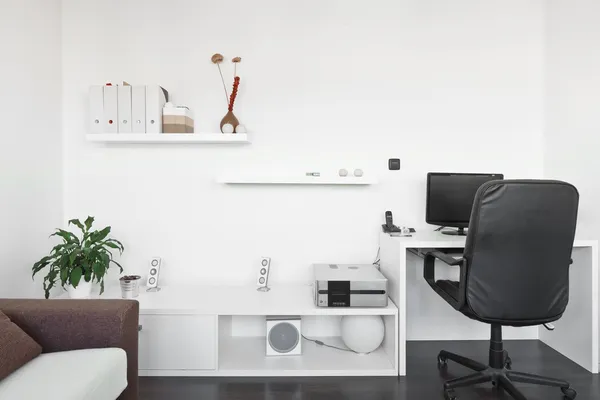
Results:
<point x="572" y="103"/>
<point x="31" y="150"/>
<point x="325" y="84"/>
<point x="572" y="132"/>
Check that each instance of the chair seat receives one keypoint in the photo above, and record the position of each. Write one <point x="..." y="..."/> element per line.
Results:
<point x="94" y="374"/>
<point x="450" y="287"/>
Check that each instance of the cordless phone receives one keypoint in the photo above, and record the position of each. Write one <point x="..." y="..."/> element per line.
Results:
<point x="389" y="226"/>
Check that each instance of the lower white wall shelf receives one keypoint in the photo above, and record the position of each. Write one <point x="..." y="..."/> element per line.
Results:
<point x="195" y="331"/>
<point x="244" y="356"/>
<point x="295" y="180"/>
<point x="170" y="138"/>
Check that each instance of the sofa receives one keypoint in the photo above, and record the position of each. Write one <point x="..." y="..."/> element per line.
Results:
<point x="89" y="349"/>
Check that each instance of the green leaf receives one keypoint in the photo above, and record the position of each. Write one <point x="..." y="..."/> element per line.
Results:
<point x="76" y="276"/>
<point x="37" y="268"/>
<point x="57" y="248"/>
<point x="105" y="259"/>
<point x="64" y="261"/>
<point x="112" y="245"/>
<point x="63" y="248"/>
<point x="119" y="243"/>
<point x="42" y="261"/>
<point x="40" y="265"/>
<point x="88" y="275"/>
<point x="99" y="270"/>
<point x="64" y="275"/>
<point x="100" y="235"/>
<point x="77" y="224"/>
<point x="118" y="265"/>
<point x="49" y="282"/>
<point x="88" y="223"/>
<point x="108" y="251"/>
<point x="73" y="256"/>
<point x="46" y="290"/>
<point x="68" y="237"/>
<point x="101" y="286"/>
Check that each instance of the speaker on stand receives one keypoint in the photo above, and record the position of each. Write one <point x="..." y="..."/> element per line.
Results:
<point x="263" y="274"/>
<point x="153" y="273"/>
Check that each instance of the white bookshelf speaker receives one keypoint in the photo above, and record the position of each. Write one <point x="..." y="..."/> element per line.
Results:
<point x="284" y="336"/>
<point x="153" y="273"/>
<point x="262" y="281"/>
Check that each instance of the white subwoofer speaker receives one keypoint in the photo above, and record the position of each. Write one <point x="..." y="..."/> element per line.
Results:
<point x="153" y="273"/>
<point x="284" y="336"/>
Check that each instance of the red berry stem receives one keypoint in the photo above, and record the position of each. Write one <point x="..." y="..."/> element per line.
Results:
<point x="236" y="83"/>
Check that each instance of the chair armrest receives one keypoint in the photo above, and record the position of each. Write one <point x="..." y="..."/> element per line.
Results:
<point x="429" y="275"/>
<point x="445" y="257"/>
<point x="61" y="325"/>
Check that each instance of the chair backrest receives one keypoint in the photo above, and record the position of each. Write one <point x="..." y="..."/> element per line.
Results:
<point x="518" y="250"/>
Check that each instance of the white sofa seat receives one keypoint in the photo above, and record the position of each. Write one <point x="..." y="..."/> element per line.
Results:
<point x="94" y="374"/>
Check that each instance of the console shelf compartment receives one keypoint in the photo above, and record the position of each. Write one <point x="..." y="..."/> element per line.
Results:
<point x="245" y="356"/>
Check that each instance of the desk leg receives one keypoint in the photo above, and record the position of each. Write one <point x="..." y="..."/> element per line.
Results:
<point x="402" y="315"/>
<point x="576" y="333"/>
<point x="393" y="266"/>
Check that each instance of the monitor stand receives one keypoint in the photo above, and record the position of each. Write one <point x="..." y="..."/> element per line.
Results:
<point x="459" y="232"/>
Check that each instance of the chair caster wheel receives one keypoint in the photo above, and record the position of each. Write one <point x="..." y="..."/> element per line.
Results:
<point x="569" y="393"/>
<point x="442" y="361"/>
<point x="449" y="394"/>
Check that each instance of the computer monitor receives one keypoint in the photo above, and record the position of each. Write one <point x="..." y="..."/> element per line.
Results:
<point x="450" y="198"/>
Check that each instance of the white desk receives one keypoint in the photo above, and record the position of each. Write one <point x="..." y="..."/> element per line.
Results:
<point x="423" y="315"/>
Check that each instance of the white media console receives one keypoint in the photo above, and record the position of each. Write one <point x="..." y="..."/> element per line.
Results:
<point x="220" y="331"/>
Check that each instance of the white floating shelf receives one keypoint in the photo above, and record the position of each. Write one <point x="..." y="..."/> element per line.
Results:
<point x="182" y="138"/>
<point x="295" y="180"/>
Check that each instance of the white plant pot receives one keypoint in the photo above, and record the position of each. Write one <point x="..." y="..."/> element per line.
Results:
<point x="82" y="291"/>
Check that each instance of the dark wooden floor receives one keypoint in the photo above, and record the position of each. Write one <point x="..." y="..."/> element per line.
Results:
<point x="424" y="380"/>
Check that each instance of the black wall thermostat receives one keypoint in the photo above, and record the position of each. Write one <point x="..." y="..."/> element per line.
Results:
<point x="394" y="164"/>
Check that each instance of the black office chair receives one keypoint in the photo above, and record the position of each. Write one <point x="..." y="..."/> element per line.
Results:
<point x="514" y="271"/>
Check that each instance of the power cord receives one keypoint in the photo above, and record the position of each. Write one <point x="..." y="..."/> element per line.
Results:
<point x="439" y="229"/>
<point x="377" y="258"/>
<point x="320" y="343"/>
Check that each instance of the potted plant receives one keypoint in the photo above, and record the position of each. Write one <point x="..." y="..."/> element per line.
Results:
<point x="79" y="260"/>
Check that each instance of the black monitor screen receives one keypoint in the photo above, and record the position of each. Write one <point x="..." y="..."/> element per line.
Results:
<point x="450" y="197"/>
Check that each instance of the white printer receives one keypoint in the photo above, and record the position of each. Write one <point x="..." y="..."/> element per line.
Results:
<point x="349" y="285"/>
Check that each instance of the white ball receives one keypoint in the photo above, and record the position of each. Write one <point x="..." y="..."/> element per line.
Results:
<point x="240" y="129"/>
<point x="358" y="172"/>
<point x="362" y="333"/>
<point x="343" y="172"/>
<point x="227" y="128"/>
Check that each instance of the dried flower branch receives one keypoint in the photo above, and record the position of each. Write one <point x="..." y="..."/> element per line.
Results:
<point x="236" y="84"/>
<point x="235" y="61"/>
<point x="218" y="59"/>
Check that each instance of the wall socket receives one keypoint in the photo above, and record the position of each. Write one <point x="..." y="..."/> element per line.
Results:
<point x="394" y="164"/>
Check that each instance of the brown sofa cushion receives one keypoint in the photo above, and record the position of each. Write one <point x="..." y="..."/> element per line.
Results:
<point x="16" y="347"/>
